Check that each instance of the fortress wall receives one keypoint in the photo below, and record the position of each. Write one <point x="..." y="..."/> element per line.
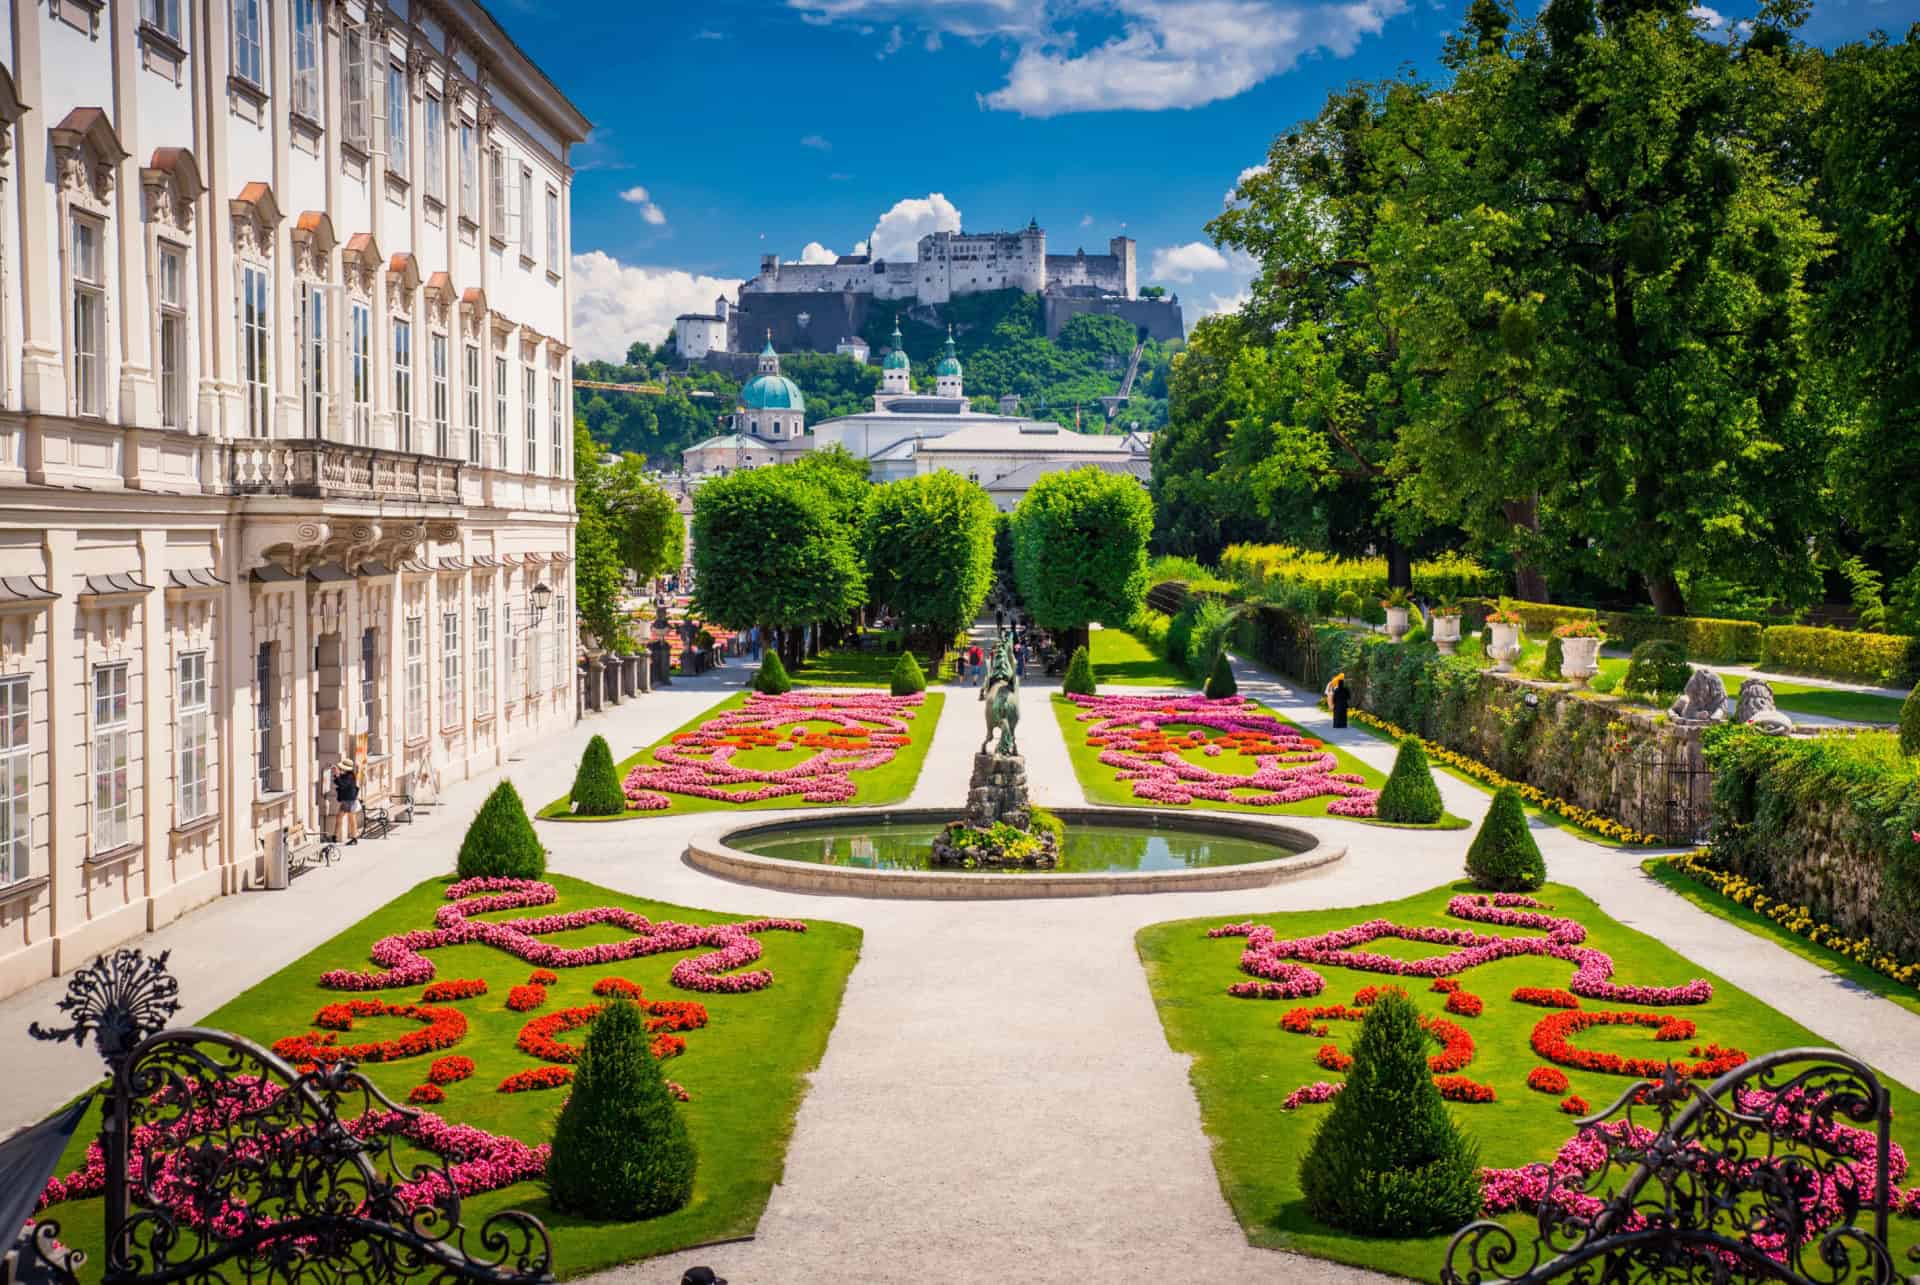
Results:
<point x="1161" y="317"/>
<point x="829" y="318"/>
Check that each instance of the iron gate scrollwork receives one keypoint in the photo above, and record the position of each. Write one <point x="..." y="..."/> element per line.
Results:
<point x="224" y="1162"/>
<point x="1777" y="1171"/>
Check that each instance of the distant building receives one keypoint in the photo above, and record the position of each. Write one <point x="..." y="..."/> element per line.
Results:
<point x="696" y="334"/>
<point x="769" y="424"/>
<point x="854" y="347"/>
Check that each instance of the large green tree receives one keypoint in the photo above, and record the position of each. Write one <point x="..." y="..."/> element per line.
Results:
<point x="928" y="545"/>
<point x="598" y="572"/>
<point x="1080" y="549"/>
<point x="645" y="519"/>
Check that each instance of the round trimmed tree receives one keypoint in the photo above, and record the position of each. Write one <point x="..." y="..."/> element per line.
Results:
<point x="1388" y="1160"/>
<point x="1504" y="857"/>
<point x="908" y="677"/>
<point x="1080" y="678"/>
<point x="596" y="786"/>
<point x="771" y="677"/>
<point x="1220" y="681"/>
<point x="1410" y="796"/>
<point x="500" y="841"/>
<point x="620" y="1147"/>
<point x="1910" y="723"/>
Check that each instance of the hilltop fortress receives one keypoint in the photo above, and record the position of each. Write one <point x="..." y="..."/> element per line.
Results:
<point x="820" y="307"/>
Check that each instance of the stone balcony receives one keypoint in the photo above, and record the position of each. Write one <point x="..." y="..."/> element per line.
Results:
<point x="335" y="471"/>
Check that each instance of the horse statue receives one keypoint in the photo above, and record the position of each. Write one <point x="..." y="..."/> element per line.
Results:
<point x="1001" y="692"/>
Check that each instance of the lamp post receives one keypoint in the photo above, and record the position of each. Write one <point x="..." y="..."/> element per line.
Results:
<point x="541" y="597"/>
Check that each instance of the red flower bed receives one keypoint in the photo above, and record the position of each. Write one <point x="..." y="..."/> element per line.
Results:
<point x="1464" y="1003"/>
<point x="1458" y="1088"/>
<point x="524" y="999"/>
<point x="427" y="1093"/>
<point x="1547" y="1079"/>
<point x="1575" y="1105"/>
<point x="1332" y="1058"/>
<point x="1445" y="985"/>
<point x="663" y="1018"/>
<point x="452" y="989"/>
<point x="1545" y="997"/>
<point x="540" y="1077"/>
<point x="449" y="1070"/>
<point x="1456" y="1046"/>
<point x="1368" y="994"/>
<point x="1552" y="1037"/>
<point x="444" y="1028"/>
<point x="541" y="977"/>
<point x="617" y="986"/>
<point x="1306" y="1021"/>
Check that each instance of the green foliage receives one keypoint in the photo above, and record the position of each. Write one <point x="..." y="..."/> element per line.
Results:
<point x="774" y="546"/>
<point x="645" y="519"/>
<point x="1180" y="636"/>
<point x="620" y="1146"/>
<point x="1659" y="665"/>
<point x="1538" y="619"/>
<point x="1346" y="604"/>
<point x="928" y="543"/>
<point x="772" y="678"/>
<point x="1504" y="856"/>
<point x="1879" y="659"/>
<point x="1910" y="723"/>
<point x="1716" y="642"/>
<point x="1080" y="680"/>
<point x="500" y="841"/>
<point x="1410" y="796"/>
<point x="1213" y="621"/>
<point x="1220" y="682"/>
<point x="1080" y="548"/>
<point x="1864" y="587"/>
<point x="596" y="785"/>
<point x="907" y="675"/>
<point x="599" y="584"/>
<point x="1264" y="567"/>
<point x="1551" y="660"/>
<point x="1389" y="1160"/>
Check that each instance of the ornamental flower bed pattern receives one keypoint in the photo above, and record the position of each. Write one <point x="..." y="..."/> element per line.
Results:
<point x="401" y="962"/>
<point x="1456" y="1046"/>
<point x="1287" y="766"/>
<point x="866" y="730"/>
<point x="444" y="1027"/>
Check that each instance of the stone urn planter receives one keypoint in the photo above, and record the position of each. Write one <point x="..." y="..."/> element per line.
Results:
<point x="1579" y="659"/>
<point x="1506" y="646"/>
<point x="1396" y="623"/>
<point x="1446" y="633"/>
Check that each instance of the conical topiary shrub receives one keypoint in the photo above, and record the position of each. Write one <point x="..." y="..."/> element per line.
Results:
<point x="1550" y="663"/>
<point x="908" y="677"/>
<point x="771" y="677"/>
<point x="1410" y="796"/>
<point x="596" y="786"/>
<point x="1079" y="680"/>
<point x="1220" y="679"/>
<point x="620" y="1148"/>
<point x="1910" y="723"/>
<point x="1388" y="1160"/>
<point x="500" y="842"/>
<point x="1504" y="857"/>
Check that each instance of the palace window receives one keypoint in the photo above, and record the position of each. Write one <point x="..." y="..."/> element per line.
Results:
<point x="526" y="211"/>
<point x="553" y="230"/>
<point x="473" y="403"/>
<point x="531" y="413"/>
<point x="433" y="152"/>
<point x="469" y="198"/>
<point x="497" y="225"/>
<point x="416" y="669"/>
<point x="173" y="337"/>
<point x="195" y="716"/>
<point x="370" y="684"/>
<point x="499" y="411"/>
<point x="306" y="59"/>
<point x="562" y="654"/>
<point x="556" y="415"/>
<point x="255" y="347"/>
<point x="313" y="357"/>
<point x="397" y="119"/>
<point x="162" y="15"/>
<point x="266" y="745"/>
<point x="248" y="63"/>
<point x="441" y="445"/>
<point x="16" y="780"/>
<point x="360" y="386"/>
<point x="450" y="668"/>
<point x="516" y="679"/>
<point x="112" y="793"/>
<point x="403" y="382"/>
<point x="89" y="316"/>
<point x="482" y="661"/>
<point x="358" y="117"/>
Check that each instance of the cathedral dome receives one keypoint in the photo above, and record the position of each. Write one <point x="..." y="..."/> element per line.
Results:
<point x="949" y="364"/>
<point x="897" y="359"/>
<point x="772" y="392"/>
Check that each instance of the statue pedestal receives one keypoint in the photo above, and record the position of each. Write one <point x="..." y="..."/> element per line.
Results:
<point x="998" y="792"/>
<point x="996" y="795"/>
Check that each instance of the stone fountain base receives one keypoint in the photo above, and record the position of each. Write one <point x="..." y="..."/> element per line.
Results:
<point x="996" y="795"/>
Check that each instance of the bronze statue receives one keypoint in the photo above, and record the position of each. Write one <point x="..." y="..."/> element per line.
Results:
<point x="1001" y="692"/>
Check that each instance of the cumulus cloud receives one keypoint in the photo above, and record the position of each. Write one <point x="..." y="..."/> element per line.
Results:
<point x="1713" y="18"/>
<point x="1182" y="262"/>
<point x="637" y="195"/>
<point x="1086" y="220"/>
<point x="1233" y="193"/>
<point x="817" y="253"/>
<point x="897" y="235"/>
<point x="817" y="143"/>
<point x="1128" y="55"/>
<point x="615" y="303"/>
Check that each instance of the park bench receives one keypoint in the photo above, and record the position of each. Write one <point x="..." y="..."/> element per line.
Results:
<point x="305" y="850"/>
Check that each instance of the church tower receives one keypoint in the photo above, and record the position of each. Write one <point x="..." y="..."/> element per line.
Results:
<point x="896" y="373"/>
<point x="946" y="376"/>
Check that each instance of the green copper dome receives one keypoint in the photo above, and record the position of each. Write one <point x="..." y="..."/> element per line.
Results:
<point x="772" y="392"/>
<point x="949" y="364"/>
<point x="897" y="359"/>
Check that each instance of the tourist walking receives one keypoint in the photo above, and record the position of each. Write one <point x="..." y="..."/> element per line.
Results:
<point x="1020" y="661"/>
<point x="1339" y="696"/>
<point x="346" y="798"/>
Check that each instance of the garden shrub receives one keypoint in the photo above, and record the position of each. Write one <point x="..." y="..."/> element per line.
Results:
<point x="1541" y="618"/>
<point x="1410" y="796"/>
<point x="1389" y="1160"/>
<point x="1267" y="567"/>
<point x="620" y="1147"/>
<point x="1180" y="635"/>
<point x="1080" y="679"/>
<point x="1910" y="723"/>
<point x="907" y="676"/>
<point x="1551" y="661"/>
<point x="500" y="842"/>
<point x="1880" y="659"/>
<point x="1150" y="627"/>
<point x="1658" y="665"/>
<point x="1212" y="622"/>
<point x="1504" y="856"/>
<point x="1347" y="604"/>
<point x="771" y="678"/>
<point x="1220" y="682"/>
<point x="1717" y="642"/>
<point x="596" y="786"/>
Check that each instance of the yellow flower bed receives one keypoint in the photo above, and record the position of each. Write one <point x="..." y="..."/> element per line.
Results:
<point x="1585" y="818"/>
<point x="1796" y="919"/>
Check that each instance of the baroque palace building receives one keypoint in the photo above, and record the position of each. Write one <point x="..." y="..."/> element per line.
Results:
<point x="285" y="435"/>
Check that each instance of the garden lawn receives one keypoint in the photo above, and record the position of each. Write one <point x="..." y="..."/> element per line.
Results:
<point x="849" y="666"/>
<point x="744" y="1072"/>
<point x="1244" y="1065"/>
<point x="890" y="783"/>
<point x="1121" y="659"/>
<point x="1829" y="702"/>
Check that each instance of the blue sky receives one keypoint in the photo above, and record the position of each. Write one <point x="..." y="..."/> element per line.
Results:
<point x="731" y="128"/>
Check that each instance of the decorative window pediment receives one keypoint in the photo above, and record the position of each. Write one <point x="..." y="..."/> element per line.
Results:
<point x="361" y="259"/>
<point x="11" y="109"/>
<point x="86" y="155"/>
<point x="473" y="307"/>
<point x="313" y="242"/>
<point x="440" y="297"/>
<point x="255" y="215"/>
<point x="403" y="275"/>
<point x="172" y="184"/>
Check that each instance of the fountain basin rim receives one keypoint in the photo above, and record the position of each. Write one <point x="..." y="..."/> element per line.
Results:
<point x="711" y="851"/>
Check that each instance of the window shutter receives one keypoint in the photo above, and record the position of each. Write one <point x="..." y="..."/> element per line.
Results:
<point x="354" y="69"/>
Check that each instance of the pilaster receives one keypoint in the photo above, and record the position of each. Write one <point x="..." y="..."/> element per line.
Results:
<point x="43" y="377"/>
<point x="139" y="393"/>
<point x="66" y="741"/>
<point x="156" y="741"/>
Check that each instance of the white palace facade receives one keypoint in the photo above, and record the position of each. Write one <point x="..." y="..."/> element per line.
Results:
<point x="285" y="435"/>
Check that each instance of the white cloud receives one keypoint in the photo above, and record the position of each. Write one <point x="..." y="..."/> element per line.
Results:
<point x="1086" y="220"/>
<point x="932" y="42"/>
<point x="651" y="213"/>
<point x="895" y="42"/>
<point x="817" y="253"/>
<point x="1182" y="262"/>
<point x="1233" y="193"/>
<point x="1128" y="55"/>
<point x="817" y="143"/>
<point x="1712" y="17"/>
<point x="709" y="34"/>
<point x="1217" y="303"/>
<point x="859" y="247"/>
<point x="897" y="235"/>
<point x="615" y="303"/>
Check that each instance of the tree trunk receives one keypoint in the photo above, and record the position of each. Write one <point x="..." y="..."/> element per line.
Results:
<point x="1529" y="582"/>
<point x="1399" y="566"/>
<point x="1666" y="595"/>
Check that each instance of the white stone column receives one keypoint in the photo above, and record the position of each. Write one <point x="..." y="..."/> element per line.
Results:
<point x="139" y="393"/>
<point x="234" y="632"/>
<point x="66" y="744"/>
<point x="300" y="778"/>
<point x="43" y="376"/>
<point x="157" y="719"/>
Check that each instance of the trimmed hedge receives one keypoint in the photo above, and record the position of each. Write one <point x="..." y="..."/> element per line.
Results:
<point x="1220" y="683"/>
<point x="500" y="843"/>
<point x="1504" y="856"/>
<point x="1538" y="619"/>
<point x="1410" y="796"/>
<point x="908" y="677"/>
<point x="1079" y="680"/>
<point x="596" y="785"/>
<point x="620" y="1147"/>
<point x="771" y="678"/>
<point x="1268" y="566"/>
<point x="1717" y="642"/>
<point x="1880" y="659"/>
<point x="1658" y="665"/>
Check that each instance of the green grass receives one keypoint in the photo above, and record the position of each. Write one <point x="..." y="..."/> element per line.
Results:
<point x="1121" y="659"/>
<point x="1829" y="702"/>
<point x="745" y="1071"/>
<point x="1244" y="1065"/>
<point x="1856" y="975"/>
<point x="1097" y="779"/>
<point x="851" y="667"/>
<point x="890" y="783"/>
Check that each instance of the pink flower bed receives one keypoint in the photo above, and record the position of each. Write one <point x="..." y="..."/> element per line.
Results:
<point x="1270" y="958"/>
<point x="401" y="963"/>
<point x="1288" y="766"/>
<point x="868" y="728"/>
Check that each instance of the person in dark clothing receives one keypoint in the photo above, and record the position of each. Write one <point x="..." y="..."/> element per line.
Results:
<point x="346" y="794"/>
<point x="1341" y="697"/>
